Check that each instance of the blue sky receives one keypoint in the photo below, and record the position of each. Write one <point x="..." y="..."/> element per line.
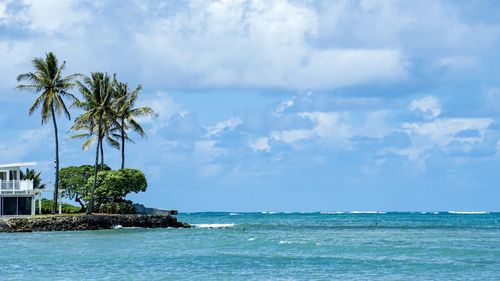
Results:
<point x="279" y="105"/>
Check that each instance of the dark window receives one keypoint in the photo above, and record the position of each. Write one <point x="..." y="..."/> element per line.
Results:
<point x="13" y="175"/>
<point x="9" y="206"/>
<point x="24" y="206"/>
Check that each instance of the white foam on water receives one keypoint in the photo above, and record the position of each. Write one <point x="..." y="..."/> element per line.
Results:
<point x="285" y="242"/>
<point x="251" y="239"/>
<point x="234" y="214"/>
<point x="467" y="213"/>
<point x="331" y="213"/>
<point x="214" y="225"/>
<point x="118" y="226"/>
<point x="366" y="212"/>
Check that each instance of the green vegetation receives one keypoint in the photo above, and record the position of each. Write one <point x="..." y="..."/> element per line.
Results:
<point x="110" y="191"/>
<point x="66" y="208"/>
<point x="47" y="80"/>
<point x="73" y="180"/>
<point x="113" y="186"/>
<point x="108" y="113"/>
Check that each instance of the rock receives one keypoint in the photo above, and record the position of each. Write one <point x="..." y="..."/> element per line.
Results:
<point x="86" y="222"/>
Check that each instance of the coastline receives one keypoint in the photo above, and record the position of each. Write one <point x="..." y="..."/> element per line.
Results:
<point x="87" y="222"/>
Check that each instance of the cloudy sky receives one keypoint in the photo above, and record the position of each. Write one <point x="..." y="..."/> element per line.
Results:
<point x="279" y="105"/>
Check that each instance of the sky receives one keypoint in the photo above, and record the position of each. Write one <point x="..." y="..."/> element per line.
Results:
<point x="278" y="105"/>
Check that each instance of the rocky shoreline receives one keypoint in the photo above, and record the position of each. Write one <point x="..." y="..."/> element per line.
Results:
<point x="87" y="222"/>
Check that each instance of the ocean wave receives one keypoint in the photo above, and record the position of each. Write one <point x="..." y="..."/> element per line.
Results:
<point x="119" y="226"/>
<point x="331" y="213"/>
<point x="234" y="214"/>
<point x="366" y="212"/>
<point x="251" y="239"/>
<point x="214" y="225"/>
<point x="285" y="242"/>
<point x="467" y="213"/>
<point x="269" y="213"/>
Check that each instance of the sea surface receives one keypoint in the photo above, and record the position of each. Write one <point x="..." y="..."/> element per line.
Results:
<point x="267" y="246"/>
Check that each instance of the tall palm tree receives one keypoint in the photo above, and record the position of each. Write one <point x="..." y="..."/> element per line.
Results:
<point x="90" y="136"/>
<point x="126" y="114"/>
<point x="53" y="88"/>
<point x="97" y="92"/>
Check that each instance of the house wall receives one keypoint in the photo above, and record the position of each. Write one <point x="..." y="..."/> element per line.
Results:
<point x="11" y="173"/>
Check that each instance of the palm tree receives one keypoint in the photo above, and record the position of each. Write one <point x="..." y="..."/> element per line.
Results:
<point x="90" y="134"/>
<point x="126" y="114"/>
<point x="31" y="174"/>
<point x="47" y="80"/>
<point x="97" y="92"/>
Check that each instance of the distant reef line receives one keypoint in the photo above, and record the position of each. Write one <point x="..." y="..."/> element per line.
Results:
<point x="87" y="222"/>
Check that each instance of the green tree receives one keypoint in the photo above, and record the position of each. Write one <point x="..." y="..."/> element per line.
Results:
<point x="113" y="186"/>
<point x="97" y="91"/>
<point x="31" y="174"/>
<point x="47" y="81"/>
<point x="127" y="113"/>
<point x="74" y="179"/>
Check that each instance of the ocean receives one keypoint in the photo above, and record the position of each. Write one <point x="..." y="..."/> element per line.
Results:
<point x="268" y="246"/>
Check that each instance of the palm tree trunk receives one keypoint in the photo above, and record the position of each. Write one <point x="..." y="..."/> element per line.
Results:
<point x="102" y="153"/>
<point x="96" y="168"/>
<point x="123" y="143"/>
<point x="56" y="183"/>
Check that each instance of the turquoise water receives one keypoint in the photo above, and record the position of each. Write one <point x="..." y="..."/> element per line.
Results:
<point x="270" y="246"/>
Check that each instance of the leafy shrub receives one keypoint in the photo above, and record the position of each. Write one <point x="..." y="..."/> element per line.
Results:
<point x="66" y="208"/>
<point x="113" y="186"/>
<point x="125" y="207"/>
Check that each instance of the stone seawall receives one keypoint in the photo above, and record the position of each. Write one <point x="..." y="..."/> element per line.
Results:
<point x="87" y="222"/>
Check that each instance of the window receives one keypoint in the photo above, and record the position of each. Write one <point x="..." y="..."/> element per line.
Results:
<point x="16" y="206"/>
<point x="24" y="206"/>
<point x="9" y="206"/>
<point x="13" y="175"/>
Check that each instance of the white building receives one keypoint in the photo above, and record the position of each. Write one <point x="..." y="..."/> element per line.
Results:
<point x="17" y="197"/>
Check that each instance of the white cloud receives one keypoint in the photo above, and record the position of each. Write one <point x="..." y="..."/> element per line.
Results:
<point x="457" y="62"/>
<point x="428" y="107"/>
<point x="32" y="136"/>
<point x="421" y="28"/>
<point x="258" y="44"/>
<point x="3" y="11"/>
<point x="282" y="107"/>
<point x="336" y="128"/>
<point x="206" y="150"/>
<point x="219" y="127"/>
<point x="54" y="16"/>
<point x="164" y="108"/>
<point x="13" y="56"/>
<point x="445" y="130"/>
<point x="292" y="136"/>
<point x="260" y="144"/>
<point x="442" y="133"/>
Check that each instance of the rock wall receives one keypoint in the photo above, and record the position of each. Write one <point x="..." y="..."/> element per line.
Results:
<point x="88" y="222"/>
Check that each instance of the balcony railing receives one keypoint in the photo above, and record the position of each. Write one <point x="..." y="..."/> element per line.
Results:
<point x="16" y="187"/>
